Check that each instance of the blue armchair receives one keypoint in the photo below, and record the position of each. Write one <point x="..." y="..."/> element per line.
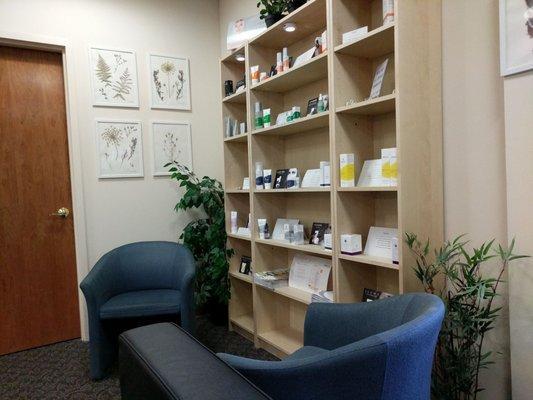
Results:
<point x="136" y="282"/>
<point x="378" y="350"/>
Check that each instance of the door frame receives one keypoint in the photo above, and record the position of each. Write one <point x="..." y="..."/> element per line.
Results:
<point x="63" y="47"/>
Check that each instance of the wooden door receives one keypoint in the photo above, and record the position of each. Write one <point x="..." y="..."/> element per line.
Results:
<point x="38" y="284"/>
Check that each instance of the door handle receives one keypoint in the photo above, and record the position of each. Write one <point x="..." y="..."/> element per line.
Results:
<point x="63" y="212"/>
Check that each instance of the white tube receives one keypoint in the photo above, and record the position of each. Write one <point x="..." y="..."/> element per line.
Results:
<point x="233" y="221"/>
<point x="261" y="224"/>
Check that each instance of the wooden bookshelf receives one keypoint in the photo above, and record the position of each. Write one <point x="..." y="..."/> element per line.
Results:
<point x="406" y="115"/>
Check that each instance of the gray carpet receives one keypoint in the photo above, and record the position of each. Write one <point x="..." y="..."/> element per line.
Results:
<point x="61" y="371"/>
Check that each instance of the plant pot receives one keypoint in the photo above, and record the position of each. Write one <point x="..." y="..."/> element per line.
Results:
<point x="218" y="313"/>
<point x="295" y="4"/>
<point x="271" y="19"/>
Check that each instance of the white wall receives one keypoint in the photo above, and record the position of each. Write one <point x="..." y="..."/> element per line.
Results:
<point x="474" y="150"/>
<point x="126" y="210"/>
<point x="519" y="148"/>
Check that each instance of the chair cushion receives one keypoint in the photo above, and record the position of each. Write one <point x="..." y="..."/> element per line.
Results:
<point x="305" y="352"/>
<point x="142" y="303"/>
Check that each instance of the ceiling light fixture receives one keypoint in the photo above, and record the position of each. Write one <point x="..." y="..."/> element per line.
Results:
<point x="289" y="27"/>
<point x="240" y="57"/>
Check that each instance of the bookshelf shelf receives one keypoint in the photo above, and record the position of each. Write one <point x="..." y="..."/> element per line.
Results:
<point x="407" y="115"/>
<point x="380" y="105"/>
<point x="299" y="190"/>
<point x="301" y="125"/>
<point x="245" y="322"/>
<point x="310" y="71"/>
<point x="375" y="43"/>
<point x="368" y="189"/>
<point x="364" y="259"/>
<point x="309" y="18"/>
<point x="239" y="98"/>
<point x="242" y="277"/>
<point x="287" y="340"/>
<point x="240" y="237"/>
<point x="305" y="248"/>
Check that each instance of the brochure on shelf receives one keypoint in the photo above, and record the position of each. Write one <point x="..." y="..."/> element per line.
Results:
<point x="309" y="273"/>
<point x="371" y="174"/>
<point x="322" y="297"/>
<point x="379" y="242"/>
<point x="312" y="178"/>
<point x="378" y="79"/>
<point x="278" y="233"/>
<point x="272" y="279"/>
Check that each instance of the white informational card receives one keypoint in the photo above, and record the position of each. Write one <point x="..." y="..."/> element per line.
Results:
<point x="379" y="242"/>
<point x="277" y="233"/>
<point x="371" y="174"/>
<point x="309" y="273"/>
<point x="304" y="57"/>
<point x="312" y="178"/>
<point x="378" y="79"/>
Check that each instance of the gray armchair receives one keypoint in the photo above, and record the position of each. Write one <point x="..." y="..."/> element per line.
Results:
<point x="138" y="281"/>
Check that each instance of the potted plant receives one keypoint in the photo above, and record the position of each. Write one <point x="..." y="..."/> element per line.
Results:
<point x="206" y="237"/>
<point x="458" y="276"/>
<point x="272" y="10"/>
<point x="292" y="5"/>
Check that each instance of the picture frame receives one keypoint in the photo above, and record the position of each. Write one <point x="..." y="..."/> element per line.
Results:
<point x="119" y="150"/>
<point x="516" y="37"/>
<point x="170" y="83"/>
<point x="171" y="141"/>
<point x="113" y="76"/>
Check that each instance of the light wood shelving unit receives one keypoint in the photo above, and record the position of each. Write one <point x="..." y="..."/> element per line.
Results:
<point x="407" y="115"/>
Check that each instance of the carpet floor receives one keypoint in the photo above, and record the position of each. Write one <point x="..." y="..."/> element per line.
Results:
<point x="61" y="371"/>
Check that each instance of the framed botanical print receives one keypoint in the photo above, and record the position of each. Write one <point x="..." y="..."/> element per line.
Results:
<point x="516" y="36"/>
<point x="113" y="77"/>
<point x="171" y="143"/>
<point x="169" y="82"/>
<point x="119" y="148"/>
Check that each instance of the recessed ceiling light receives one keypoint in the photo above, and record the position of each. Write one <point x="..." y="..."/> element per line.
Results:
<point x="289" y="27"/>
<point x="240" y="57"/>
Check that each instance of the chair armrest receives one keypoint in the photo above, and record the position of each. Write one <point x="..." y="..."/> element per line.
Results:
<point x="331" y="326"/>
<point x="100" y="284"/>
<point x="334" y="375"/>
<point x="186" y="270"/>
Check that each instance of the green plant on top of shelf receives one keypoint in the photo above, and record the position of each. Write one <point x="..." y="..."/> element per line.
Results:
<point x="459" y="277"/>
<point x="272" y="10"/>
<point x="205" y="236"/>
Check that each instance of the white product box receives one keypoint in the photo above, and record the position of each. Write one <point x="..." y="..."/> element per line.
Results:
<point x="347" y="170"/>
<point x="353" y="35"/>
<point x="351" y="244"/>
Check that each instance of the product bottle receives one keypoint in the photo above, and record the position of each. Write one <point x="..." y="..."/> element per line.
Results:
<point x="279" y="63"/>
<point x="320" y="105"/>
<point x="258" y="115"/>
<point x="286" y="61"/>
<point x="266" y="117"/>
<point x="259" y="184"/>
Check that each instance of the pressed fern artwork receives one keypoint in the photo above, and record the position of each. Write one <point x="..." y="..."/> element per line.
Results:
<point x="119" y="146"/>
<point x="170" y="83"/>
<point x="171" y="143"/>
<point x="114" y="78"/>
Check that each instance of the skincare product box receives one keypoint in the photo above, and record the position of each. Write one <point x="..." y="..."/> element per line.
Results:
<point x="292" y="179"/>
<point x="351" y="244"/>
<point x="246" y="183"/>
<point x="328" y="241"/>
<point x="266" y="117"/>
<point x="233" y="221"/>
<point x="354" y="35"/>
<point x="242" y="231"/>
<point x="347" y="170"/>
<point x="254" y="70"/>
<point x="395" y="251"/>
<point x="259" y="184"/>
<point x="298" y="234"/>
<point x="267" y="178"/>
<point x="325" y="173"/>
<point x="389" y="166"/>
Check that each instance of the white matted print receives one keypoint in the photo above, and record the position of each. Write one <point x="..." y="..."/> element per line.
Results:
<point x="171" y="142"/>
<point x="114" y="77"/>
<point x="169" y="82"/>
<point x="119" y="148"/>
<point x="516" y="36"/>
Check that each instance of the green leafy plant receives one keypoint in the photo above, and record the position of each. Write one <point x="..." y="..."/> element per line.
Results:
<point x="459" y="277"/>
<point x="272" y="7"/>
<point x="205" y="236"/>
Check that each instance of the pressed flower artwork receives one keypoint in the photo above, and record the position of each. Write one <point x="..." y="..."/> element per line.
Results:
<point x="171" y="143"/>
<point x="114" y="78"/>
<point x="170" y="84"/>
<point x="119" y="148"/>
